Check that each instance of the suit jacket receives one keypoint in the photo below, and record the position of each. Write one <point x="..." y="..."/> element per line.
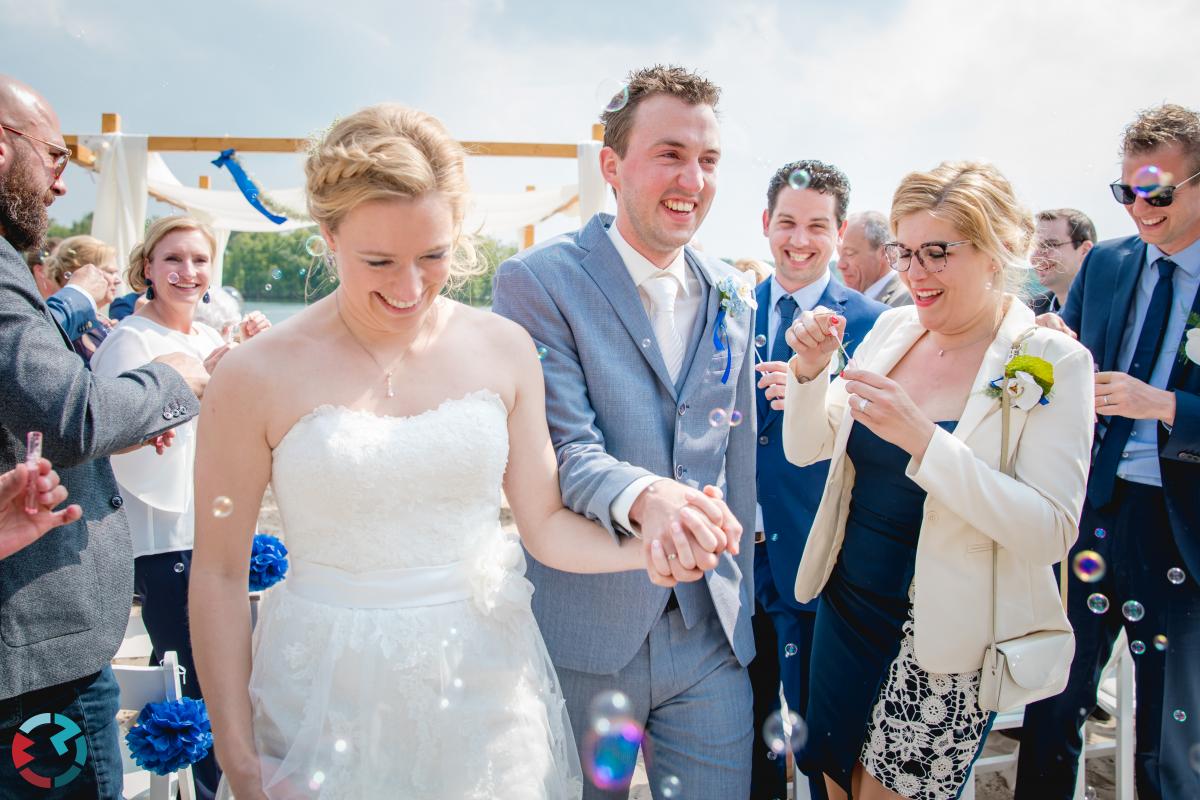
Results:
<point x="789" y="495"/>
<point x="615" y="416"/>
<point x="1098" y="307"/>
<point x="970" y="504"/>
<point x="895" y="293"/>
<point x="64" y="600"/>
<point x="72" y="311"/>
<point x="123" y="306"/>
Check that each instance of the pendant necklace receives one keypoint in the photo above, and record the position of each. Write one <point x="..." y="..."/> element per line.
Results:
<point x="387" y="373"/>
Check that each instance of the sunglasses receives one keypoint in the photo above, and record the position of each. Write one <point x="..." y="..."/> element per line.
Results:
<point x="1161" y="198"/>
<point x="60" y="154"/>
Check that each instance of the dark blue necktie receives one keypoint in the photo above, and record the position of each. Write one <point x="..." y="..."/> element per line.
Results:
<point x="787" y="311"/>
<point x="1104" y="468"/>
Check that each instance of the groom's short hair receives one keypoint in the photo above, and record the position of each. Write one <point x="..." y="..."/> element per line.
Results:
<point x="684" y="84"/>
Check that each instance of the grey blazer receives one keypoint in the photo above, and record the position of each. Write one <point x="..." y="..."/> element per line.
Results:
<point x="895" y="294"/>
<point x="615" y="416"/>
<point x="64" y="600"/>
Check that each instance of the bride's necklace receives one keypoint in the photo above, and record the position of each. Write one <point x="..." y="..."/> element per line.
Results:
<point x="387" y="373"/>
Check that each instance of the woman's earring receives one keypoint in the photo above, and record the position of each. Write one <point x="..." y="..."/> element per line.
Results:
<point x="206" y="298"/>
<point x="149" y="290"/>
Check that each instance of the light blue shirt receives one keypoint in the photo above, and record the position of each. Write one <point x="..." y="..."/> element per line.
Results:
<point x="806" y="298"/>
<point x="1139" y="461"/>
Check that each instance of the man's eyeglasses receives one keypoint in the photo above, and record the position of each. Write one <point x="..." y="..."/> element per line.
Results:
<point x="60" y="154"/>
<point x="1160" y="198"/>
<point x="1049" y="244"/>
<point x="932" y="255"/>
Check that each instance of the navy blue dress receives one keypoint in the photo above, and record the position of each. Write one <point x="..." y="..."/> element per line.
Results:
<point x="916" y="732"/>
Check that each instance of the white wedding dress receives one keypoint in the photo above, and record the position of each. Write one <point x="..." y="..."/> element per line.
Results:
<point x="400" y="658"/>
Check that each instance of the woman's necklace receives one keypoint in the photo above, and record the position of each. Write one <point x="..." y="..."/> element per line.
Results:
<point x="387" y="374"/>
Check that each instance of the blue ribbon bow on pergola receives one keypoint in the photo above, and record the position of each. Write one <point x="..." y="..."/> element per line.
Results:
<point x="228" y="160"/>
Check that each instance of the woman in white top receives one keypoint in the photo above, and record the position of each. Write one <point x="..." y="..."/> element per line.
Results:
<point x="900" y="550"/>
<point x="173" y="267"/>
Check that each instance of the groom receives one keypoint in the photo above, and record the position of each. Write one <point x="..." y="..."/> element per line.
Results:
<point x="645" y="384"/>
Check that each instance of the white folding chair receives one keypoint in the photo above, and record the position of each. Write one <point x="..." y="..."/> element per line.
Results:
<point x="141" y="685"/>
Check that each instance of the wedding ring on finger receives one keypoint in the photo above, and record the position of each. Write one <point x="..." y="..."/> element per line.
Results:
<point x="672" y="556"/>
<point x="862" y="404"/>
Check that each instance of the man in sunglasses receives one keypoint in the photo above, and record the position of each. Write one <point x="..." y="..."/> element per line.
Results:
<point x="64" y="598"/>
<point x="1132" y="304"/>
<point x="1064" y="238"/>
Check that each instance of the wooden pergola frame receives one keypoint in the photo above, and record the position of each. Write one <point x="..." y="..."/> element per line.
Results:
<point x="111" y="123"/>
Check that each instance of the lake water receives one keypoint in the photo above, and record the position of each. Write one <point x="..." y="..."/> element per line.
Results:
<point x="276" y="312"/>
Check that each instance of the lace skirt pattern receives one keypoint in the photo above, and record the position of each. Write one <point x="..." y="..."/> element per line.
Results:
<point x="926" y="728"/>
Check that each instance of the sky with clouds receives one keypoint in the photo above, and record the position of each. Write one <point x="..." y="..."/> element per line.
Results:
<point x="1041" y="88"/>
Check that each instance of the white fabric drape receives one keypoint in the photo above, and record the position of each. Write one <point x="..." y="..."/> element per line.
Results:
<point x="593" y="191"/>
<point x="120" y="215"/>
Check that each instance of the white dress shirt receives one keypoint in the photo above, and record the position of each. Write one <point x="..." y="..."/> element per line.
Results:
<point x="687" y="308"/>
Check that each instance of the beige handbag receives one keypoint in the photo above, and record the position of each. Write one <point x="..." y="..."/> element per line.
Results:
<point x="1019" y="671"/>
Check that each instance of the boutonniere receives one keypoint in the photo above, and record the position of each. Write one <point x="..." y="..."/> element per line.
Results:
<point x="737" y="298"/>
<point x="1189" y="348"/>
<point x="1029" y="381"/>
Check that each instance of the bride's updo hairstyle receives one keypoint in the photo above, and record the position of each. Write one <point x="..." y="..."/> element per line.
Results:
<point x="978" y="200"/>
<point x="389" y="151"/>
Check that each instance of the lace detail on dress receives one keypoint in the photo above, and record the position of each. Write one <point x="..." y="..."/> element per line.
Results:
<point x="453" y="700"/>
<point x="925" y="729"/>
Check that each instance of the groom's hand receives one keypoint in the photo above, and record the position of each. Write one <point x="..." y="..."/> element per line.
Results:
<point x="683" y="530"/>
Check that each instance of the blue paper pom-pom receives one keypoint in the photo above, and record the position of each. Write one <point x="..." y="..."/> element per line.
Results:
<point x="170" y="735"/>
<point x="268" y="562"/>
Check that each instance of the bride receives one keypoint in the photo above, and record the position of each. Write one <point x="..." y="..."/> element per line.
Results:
<point x="400" y="657"/>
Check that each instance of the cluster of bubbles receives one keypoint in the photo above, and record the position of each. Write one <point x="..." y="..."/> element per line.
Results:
<point x="222" y="507"/>
<point x="799" y="179"/>
<point x="1088" y="566"/>
<point x="612" y="95"/>
<point x="315" y="246"/>
<point x="610" y="746"/>
<point x="719" y="416"/>
<point x="784" y="731"/>
<point x="1150" y="180"/>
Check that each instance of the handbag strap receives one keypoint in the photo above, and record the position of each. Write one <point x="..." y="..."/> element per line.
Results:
<point x="1006" y="466"/>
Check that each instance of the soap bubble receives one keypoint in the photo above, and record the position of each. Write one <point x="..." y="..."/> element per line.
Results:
<point x="1160" y="642"/>
<point x="1088" y="566"/>
<point x="1098" y="603"/>
<point x="315" y="246"/>
<point x="790" y="649"/>
<point x="179" y="568"/>
<point x="1101" y="533"/>
<point x="1179" y="715"/>
<point x="340" y="745"/>
<point x="717" y="417"/>
<point x="1137" y="647"/>
<point x="612" y="95"/>
<point x="541" y="352"/>
<point x="1176" y="575"/>
<point x="1089" y="793"/>
<point x="799" y="179"/>
<point x="760" y="340"/>
<point x="610" y="709"/>
<point x="1150" y="180"/>
<point x="267" y="288"/>
<point x="172" y="278"/>
<point x="609" y="757"/>
<point x="735" y="418"/>
<point x="316" y="780"/>
<point x="277" y="274"/>
<point x="302" y="272"/>
<point x="645" y="343"/>
<point x="782" y="732"/>
<point x="222" y="507"/>
<point x="671" y="787"/>
<point x="1133" y="610"/>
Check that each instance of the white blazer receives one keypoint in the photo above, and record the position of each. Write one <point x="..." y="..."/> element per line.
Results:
<point x="970" y="503"/>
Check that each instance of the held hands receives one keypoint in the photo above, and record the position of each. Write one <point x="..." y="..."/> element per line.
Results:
<point x="19" y="529"/>
<point x="684" y="531"/>
<point x="815" y="335"/>
<point x="1120" y="395"/>
<point x="883" y="406"/>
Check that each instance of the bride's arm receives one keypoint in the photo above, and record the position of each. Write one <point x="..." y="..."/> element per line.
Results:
<point x="556" y="536"/>
<point x="233" y="460"/>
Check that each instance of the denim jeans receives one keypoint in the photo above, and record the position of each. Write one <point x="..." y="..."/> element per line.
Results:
<point x="90" y="703"/>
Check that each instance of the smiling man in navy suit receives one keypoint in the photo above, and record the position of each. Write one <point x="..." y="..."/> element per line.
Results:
<point x="804" y="222"/>
<point x="1133" y="304"/>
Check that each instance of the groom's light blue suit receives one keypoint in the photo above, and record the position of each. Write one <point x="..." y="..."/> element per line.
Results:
<point x="615" y="416"/>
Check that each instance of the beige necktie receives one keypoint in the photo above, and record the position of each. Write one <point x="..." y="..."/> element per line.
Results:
<point x="661" y="290"/>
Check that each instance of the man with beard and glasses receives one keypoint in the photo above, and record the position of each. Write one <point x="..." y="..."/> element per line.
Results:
<point x="64" y="598"/>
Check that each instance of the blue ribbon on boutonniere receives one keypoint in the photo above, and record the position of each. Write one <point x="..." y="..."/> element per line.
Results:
<point x="229" y="161"/>
<point x="736" y="297"/>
